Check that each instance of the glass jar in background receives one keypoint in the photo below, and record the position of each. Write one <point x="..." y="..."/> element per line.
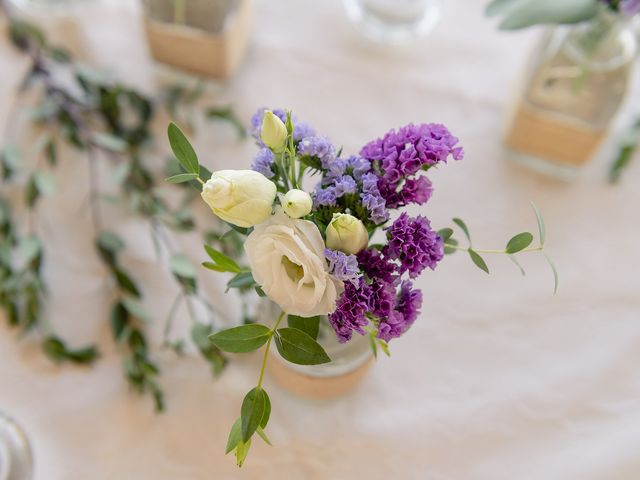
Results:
<point x="577" y="82"/>
<point x="45" y="6"/>
<point x="394" y="21"/>
<point x="349" y="364"/>
<point x="16" y="461"/>
<point x="204" y="37"/>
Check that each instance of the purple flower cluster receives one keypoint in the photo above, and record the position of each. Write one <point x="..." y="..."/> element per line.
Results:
<point x="402" y="153"/>
<point x="342" y="266"/>
<point x="372" y="200"/>
<point x="320" y="148"/>
<point x="263" y="162"/>
<point x="414" y="244"/>
<point x="300" y="129"/>
<point x="412" y="247"/>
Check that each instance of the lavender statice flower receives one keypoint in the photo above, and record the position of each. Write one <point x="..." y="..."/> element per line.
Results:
<point x="300" y="129"/>
<point x="372" y="200"/>
<point x="320" y="148"/>
<point x="327" y="195"/>
<point x="349" y="315"/>
<point x="357" y="166"/>
<point x="342" y="266"/>
<point x="263" y="163"/>
<point x="630" y="7"/>
<point x="324" y="197"/>
<point x="344" y="185"/>
<point x="413" y="244"/>
<point x="406" y="311"/>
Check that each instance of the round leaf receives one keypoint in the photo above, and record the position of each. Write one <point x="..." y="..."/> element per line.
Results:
<point x="244" y="338"/>
<point x="519" y="242"/>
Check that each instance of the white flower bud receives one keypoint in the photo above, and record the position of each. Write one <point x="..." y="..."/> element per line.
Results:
<point x="274" y="132"/>
<point x="346" y="233"/>
<point x="297" y="203"/>
<point x="241" y="197"/>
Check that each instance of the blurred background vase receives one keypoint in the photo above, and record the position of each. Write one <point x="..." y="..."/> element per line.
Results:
<point x="394" y="21"/>
<point x="577" y="82"/>
<point x="349" y="364"/>
<point x="15" y="453"/>
<point x="204" y="37"/>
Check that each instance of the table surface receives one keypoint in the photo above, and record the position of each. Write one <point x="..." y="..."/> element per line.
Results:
<point x="498" y="379"/>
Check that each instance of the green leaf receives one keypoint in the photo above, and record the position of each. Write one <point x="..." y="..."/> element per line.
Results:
<point x="243" y="281"/>
<point x="478" y="260"/>
<point x="517" y="264"/>
<point x="244" y="338"/>
<point x="463" y="227"/>
<point x="555" y="273"/>
<point x="126" y="283"/>
<point x="445" y="234"/>
<point x="267" y="411"/>
<point x="542" y="230"/>
<point x="298" y="347"/>
<point x="519" y="242"/>
<point x="181" y="178"/>
<point x="45" y="183"/>
<point x="213" y="266"/>
<point x="119" y="319"/>
<point x="263" y="436"/>
<point x="222" y="260"/>
<point x="252" y="411"/>
<point x="522" y="14"/>
<point x="181" y="266"/>
<point x="200" y="335"/>
<point x="30" y="248"/>
<point x="242" y="450"/>
<point x="183" y="150"/>
<point x="235" y="436"/>
<point x="448" y="250"/>
<point x="309" y="325"/>
<point x="110" y="241"/>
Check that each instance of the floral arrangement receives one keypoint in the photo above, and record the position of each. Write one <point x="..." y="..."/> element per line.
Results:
<point x="340" y="251"/>
<point x="525" y="13"/>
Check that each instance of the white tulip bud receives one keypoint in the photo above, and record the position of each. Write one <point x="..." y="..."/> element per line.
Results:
<point x="297" y="203"/>
<point x="241" y="197"/>
<point x="347" y="234"/>
<point x="274" y="132"/>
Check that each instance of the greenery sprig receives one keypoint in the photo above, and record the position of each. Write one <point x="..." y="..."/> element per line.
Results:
<point x="109" y="122"/>
<point x="518" y="244"/>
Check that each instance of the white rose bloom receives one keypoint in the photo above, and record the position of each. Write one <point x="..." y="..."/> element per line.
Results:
<point x="347" y="234"/>
<point x="287" y="260"/>
<point x="241" y="197"/>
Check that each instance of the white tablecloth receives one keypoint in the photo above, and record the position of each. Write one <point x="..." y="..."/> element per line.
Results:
<point x="498" y="379"/>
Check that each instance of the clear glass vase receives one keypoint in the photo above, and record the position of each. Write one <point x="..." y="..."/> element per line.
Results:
<point x="204" y="37"/>
<point x="578" y="80"/>
<point x="349" y="364"/>
<point x="394" y="21"/>
<point x="16" y="461"/>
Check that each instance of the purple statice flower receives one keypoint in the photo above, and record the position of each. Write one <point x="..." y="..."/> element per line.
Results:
<point x="263" y="163"/>
<point x="416" y="190"/>
<point x="324" y="197"/>
<point x="349" y="315"/>
<point x="403" y="153"/>
<point x="344" y="185"/>
<point x="318" y="147"/>
<point x="382" y="300"/>
<point x="342" y="266"/>
<point x="300" y="129"/>
<point x="372" y="200"/>
<point x="630" y="7"/>
<point x="406" y="311"/>
<point x="357" y="166"/>
<point x="413" y="244"/>
<point x="377" y="267"/>
<point x="335" y="169"/>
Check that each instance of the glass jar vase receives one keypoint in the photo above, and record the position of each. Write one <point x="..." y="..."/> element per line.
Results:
<point x="349" y="364"/>
<point x="16" y="461"/>
<point x="578" y="80"/>
<point x="203" y="37"/>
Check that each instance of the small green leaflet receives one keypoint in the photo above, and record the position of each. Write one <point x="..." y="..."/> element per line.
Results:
<point x="555" y="273"/>
<point x="223" y="262"/>
<point x="517" y="264"/>
<point x="478" y="260"/>
<point x="182" y="266"/>
<point x="519" y="242"/>
<point x="298" y="347"/>
<point x="183" y="150"/>
<point x="235" y="436"/>
<point x="254" y="408"/>
<point x="181" y="178"/>
<point x="463" y="227"/>
<point x="445" y="234"/>
<point x="309" y="325"/>
<point x="135" y="308"/>
<point x="242" y="280"/>
<point x="242" y="339"/>
<point x="541" y="227"/>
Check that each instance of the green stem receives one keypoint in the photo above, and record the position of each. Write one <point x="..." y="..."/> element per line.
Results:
<point x="499" y="252"/>
<point x="200" y="180"/>
<point x="179" y="11"/>
<point x="266" y="350"/>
